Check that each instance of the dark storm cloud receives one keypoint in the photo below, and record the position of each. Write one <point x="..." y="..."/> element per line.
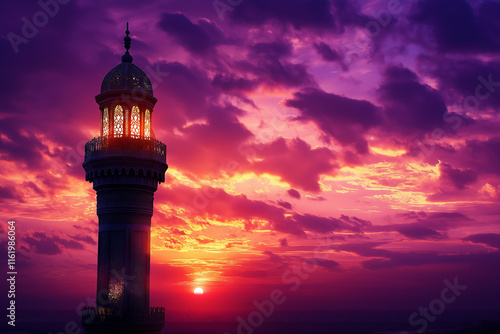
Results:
<point x="285" y="204"/>
<point x="340" y="117"/>
<point x="330" y="265"/>
<point x="330" y="55"/>
<point x="294" y="193"/>
<point x="281" y="73"/>
<point x="410" y="106"/>
<point x="470" y="84"/>
<point x="327" y="53"/>
<point x="348" y="13"/>
<point x="440" y="221"/>
<point x="284" y="242"/>
<point x="366" y="249"/>
<point x="411" y="231"/>
<point x="425" y="226"/>
<point x="7" y="193"/>
<point x="298" y="224"/>
<point x="419" y="231"/>
<point x="412" y="215"/>
<point x="268" y="65"/>
<point x="276" y="50"/>
<point x="273" y="257"/>
<point x="298" y="13"/>
<point x="31" y="185"/>
<point x="490" y="239"/>
<point x="230" y="82"/>
<point x="41" y="243"/>
<point x="71" y="244"/>
<point x="84" y="238"/>
<point x="196" y="38"/>
<point x="458" y="27"/>
<point x="484" y="156"/>
<point x="419" y="259"/>
<point x="268" y="62"/>
<point x="460" y="178"/>
<point x="385" y="259"/>
<point x="86" y="229"/>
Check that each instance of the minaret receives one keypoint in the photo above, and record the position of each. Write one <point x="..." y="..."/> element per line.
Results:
<point x="125" y="165"/>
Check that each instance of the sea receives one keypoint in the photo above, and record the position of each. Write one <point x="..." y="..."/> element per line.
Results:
<point x="283" y="321"/>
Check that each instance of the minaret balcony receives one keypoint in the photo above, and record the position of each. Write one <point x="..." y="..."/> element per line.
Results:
<point x="141" y="147"/>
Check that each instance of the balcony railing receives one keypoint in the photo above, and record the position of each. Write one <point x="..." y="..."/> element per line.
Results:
<point x="100" y="146"/>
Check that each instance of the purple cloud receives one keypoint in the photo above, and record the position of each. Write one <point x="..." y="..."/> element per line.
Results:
<point x="9" y="194"/>
<point x="285" y="204"/>
<point x="298" y="13"/>
<point x="294" y="193"/>
<point x="460" y="29"/>
<point x="460" y="178"/>
<point x="490" y="239"/>
<point x="329" y="54"/>
<point x="484" y="156"/>
<point x="284" y="242"/>
<point x="298" y="224"/>
<point x="196" y="38"/>
<point x="268" y="62"/>
<point x="385" y="259"/>
<point x="410" y="106"/>
<point x="330" y="265"/>
<point x="468" y="84"/>
<point x="339" y="117"/>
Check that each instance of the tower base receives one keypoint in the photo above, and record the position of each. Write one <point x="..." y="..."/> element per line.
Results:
<point x="102" y="320"/>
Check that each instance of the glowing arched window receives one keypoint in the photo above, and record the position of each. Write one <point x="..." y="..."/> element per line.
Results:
<point x="135" y="122"/>
<point x="126" y="122"/>
<point x="118" y="121"/>
<point x="147" y="124"/>
<point x="105" y="122"/>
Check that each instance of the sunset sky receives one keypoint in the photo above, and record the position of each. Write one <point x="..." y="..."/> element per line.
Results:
<point x="345" y="152"/>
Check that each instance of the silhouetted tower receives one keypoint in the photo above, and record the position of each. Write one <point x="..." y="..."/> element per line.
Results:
<point x="125" y="165"/>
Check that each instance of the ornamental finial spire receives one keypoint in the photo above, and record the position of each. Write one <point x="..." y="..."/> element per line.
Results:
<point x="127" y="58"/>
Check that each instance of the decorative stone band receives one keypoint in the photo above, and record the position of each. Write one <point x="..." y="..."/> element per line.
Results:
<point x="121" y="227"/>
<point x="125" y="167"/>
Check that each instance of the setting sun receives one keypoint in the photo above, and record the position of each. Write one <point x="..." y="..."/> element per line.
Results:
<point x="198" y="291"/>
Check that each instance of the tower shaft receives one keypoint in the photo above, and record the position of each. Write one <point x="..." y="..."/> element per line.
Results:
<point x="124" y="208"/>
<point x="125" y="174"/>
